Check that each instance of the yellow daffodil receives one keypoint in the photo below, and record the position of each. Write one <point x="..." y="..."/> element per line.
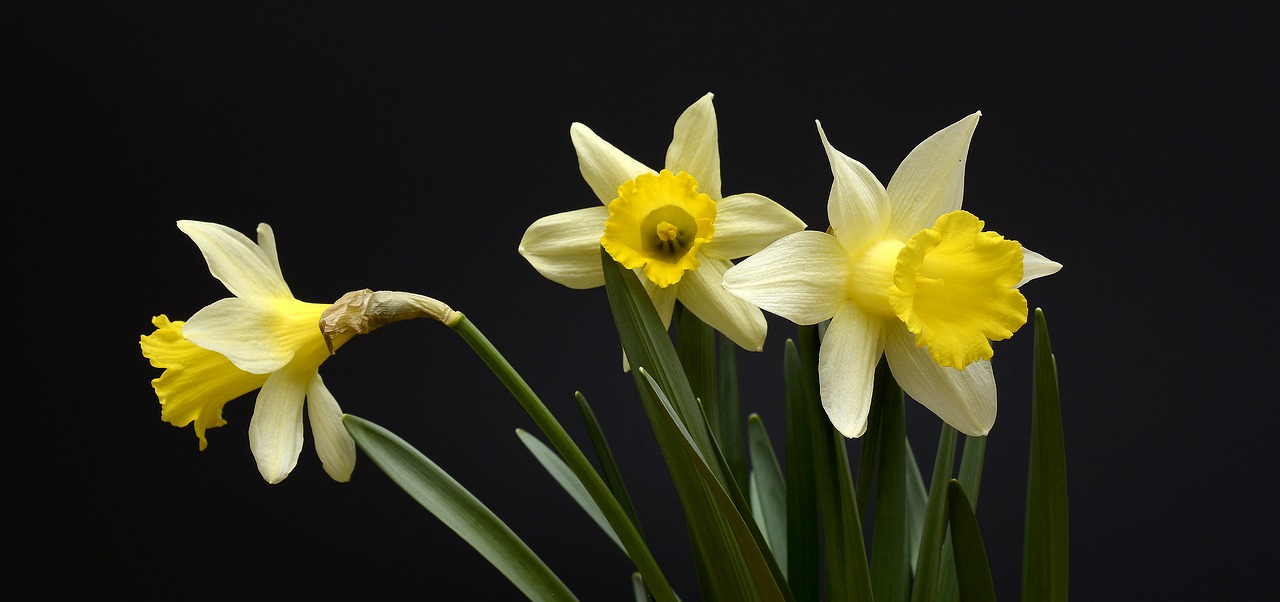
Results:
<point x="672" y="226"/>
<point x="261" y="338"/>
<point x="903" y="273"/>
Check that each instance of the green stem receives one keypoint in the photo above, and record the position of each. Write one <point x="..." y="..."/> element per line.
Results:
<point x="573" y="456"/>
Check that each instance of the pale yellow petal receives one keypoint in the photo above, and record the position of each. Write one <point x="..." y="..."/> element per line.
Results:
<point x="747" y="223"/>
<point x="930" y="181"/>
<point x="275" y="430"/>
<point x="800" y="277"/>
<point x="1035" y="265"/>
<point x="965" y="399"/>
<point x="858" y="207"/>
<point x="847" y="360"/>
<point x="701" y="292"/>
<point x="695" y="146"/>
<point x="603" y="166"/>
<point x="333" y="443"/>
<point x="565" y="247"/>
<point x="243" y="267"/>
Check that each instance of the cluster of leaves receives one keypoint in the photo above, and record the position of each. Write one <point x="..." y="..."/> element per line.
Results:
<point x="759" y="532"/>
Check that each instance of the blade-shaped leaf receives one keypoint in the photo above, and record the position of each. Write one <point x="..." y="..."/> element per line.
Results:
<point x="1045" y="551"/>
<point x="728" y="419"/>
<point x="803" y="560"/>
<point x="565" y="477"/>
<point x="891" y="538"/>
<point x="772" y="489"/>
<point x="925" y="587"/>
<point x="973" y="572"/>
<point x="457" y="508"/>
<point x="608" y="466"/>
<point x="975" y="451"/>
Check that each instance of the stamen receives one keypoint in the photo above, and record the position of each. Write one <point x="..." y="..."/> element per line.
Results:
<point x="670" y="237"/>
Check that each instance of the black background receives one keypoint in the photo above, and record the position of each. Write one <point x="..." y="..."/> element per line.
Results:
<point x="406" y="148"/>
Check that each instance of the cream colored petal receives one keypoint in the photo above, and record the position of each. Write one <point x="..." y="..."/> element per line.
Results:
<point x="858" y="207"/>
<point x="243" y="267"/>
<point x="747" y="223"/>
<point x="847" y="362"/>
<point x="965" y="399"/>
<point x="275" y="430"/>
<point x="700" y="291"/>
<point x="1035" y="265"/>
<point x="930" y="181"/>
<point x="664" y="299"/>
<point x="239" y="329"/>
<point x="267" y="242"/>
<point x="695" y="147"/>
<point x="603" y="166"/>
<point x="565" y="247"/>
<point x="800" y="277"/>
<point x="333" y="443"/>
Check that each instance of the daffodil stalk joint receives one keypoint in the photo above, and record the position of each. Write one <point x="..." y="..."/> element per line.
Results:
<point x="363" y="311"/>
<point x="903" y="273"/>
<point x="673" y="226"/>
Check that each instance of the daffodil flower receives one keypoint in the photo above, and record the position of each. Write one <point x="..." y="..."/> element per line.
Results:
<point x="261" y="338"/>
<point x="903" y="273"/>
<point x="672" y="226"/>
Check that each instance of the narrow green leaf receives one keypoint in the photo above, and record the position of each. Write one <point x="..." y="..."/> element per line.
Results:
<point x="565" y="477"/>
<point x="608" y="466"/>
<point x="925" y="587"/>
<point x="975" y="451"/>
<point x="637" y="588"/>
<point x="803" y="559"/>
<point x="772" y="488"/>
<point x="848" y="575"/>
<point x="973" y="572"/>
<point x="891" y="541"/>
<point x="458" y="509"/>
<point x="723" y="570"/>
<point x="917" y="502"/>
<point x="728" y="419"/>
<point x="762" y="579"/>
<point x="1045" y="551"/>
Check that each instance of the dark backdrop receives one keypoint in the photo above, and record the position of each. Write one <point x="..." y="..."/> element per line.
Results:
<point x="405" y="148"/>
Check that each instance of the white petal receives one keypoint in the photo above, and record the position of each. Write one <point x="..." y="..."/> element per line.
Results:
<point x="701" y="292"/>
<point x="746" y="223"/>
<point x="334" y="445"/>
<point x="239" y="329"/>
<point x="800" y="277"/>
<point x="858" y="207"/>
<point x="565" y="247"/>
<point x="275" y="430"/>
<point x="267" y="242"/>
<point x="242" y="266"/>
<point x="695" y="147"/>
<point x="603" y="166"/>
<point x="847" y="362"/>
<point x="664" y="299"/>
<point x="965" y="399"/>
<point x="930" y="181"/>
<point x="1035" y="265"/>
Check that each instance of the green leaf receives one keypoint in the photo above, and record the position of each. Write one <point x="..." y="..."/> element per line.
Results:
<point x="975" y="451"/>
<point x="763" y="578"/>
<point x="728" y="418"/>
<point x="1045" y="551"/>
<point x="458" y="509"/>
<point x="772" y="489"/>
<point x="925" y="588"/>
<point x="847" y="570"/>
<point x="726" y="569"/>
<point x="604" y="454"/>
<point x="565" y="477"/>
<point x="891" y="537"/>
<point x="972" y="570"/>
<point x="803" y="560"/>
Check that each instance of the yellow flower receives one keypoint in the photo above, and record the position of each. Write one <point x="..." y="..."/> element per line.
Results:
<point x="261" y="338"/>
<point x="673" y="227"/>
<point x="904" y="273"/>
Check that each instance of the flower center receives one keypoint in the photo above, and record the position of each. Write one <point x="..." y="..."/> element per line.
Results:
<point x="657" y="224"/>
<point x="953" y="286"/>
